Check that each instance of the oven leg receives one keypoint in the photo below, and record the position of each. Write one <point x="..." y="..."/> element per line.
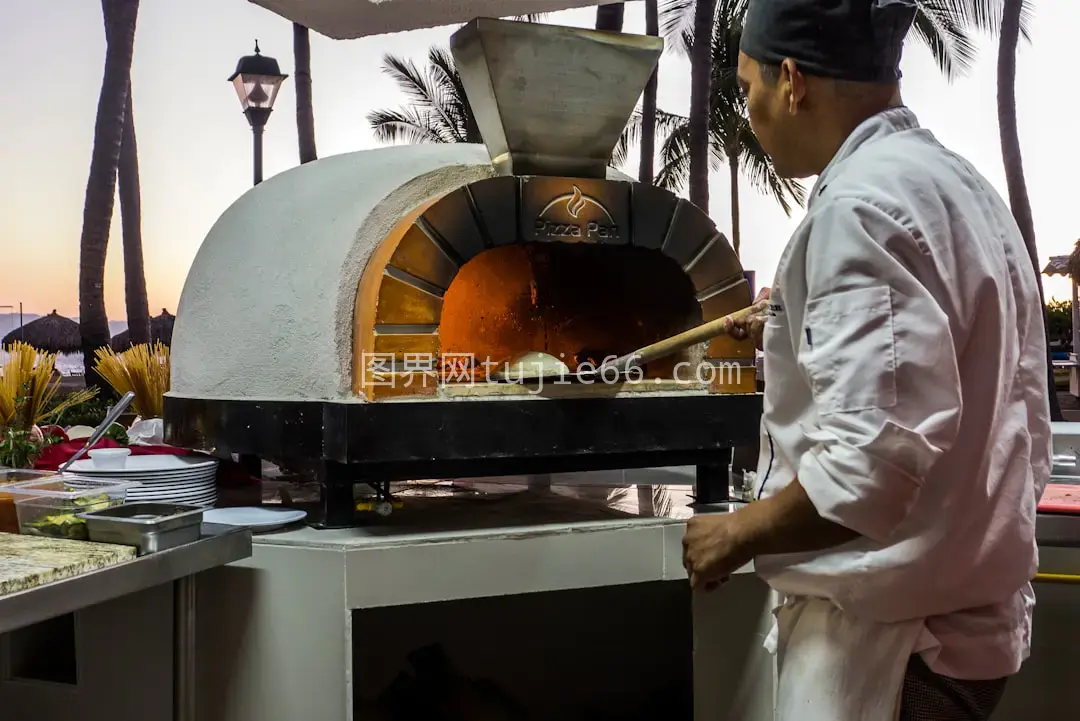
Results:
<point x="252" y="465"/>
<point x="336" y="497"/>
<point x="184" y="649"/>
<point x="712" y="480"/>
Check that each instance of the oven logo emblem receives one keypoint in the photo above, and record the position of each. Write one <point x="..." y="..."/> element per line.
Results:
<point x="576" y="215"/>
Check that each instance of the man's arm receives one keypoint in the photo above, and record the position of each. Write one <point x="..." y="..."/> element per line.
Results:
<point x="788" y="522"/>
<point x="716" y="545"/>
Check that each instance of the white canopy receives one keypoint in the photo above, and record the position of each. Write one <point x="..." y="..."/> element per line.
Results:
<point x="345" y="19"/>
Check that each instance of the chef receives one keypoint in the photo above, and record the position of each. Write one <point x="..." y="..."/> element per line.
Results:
<point x="905" y="436"/>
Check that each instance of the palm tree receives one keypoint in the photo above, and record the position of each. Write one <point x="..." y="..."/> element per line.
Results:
<point x="121" y="16"/>
<point x="438" y="110"/>
<point x="942" y="25"/>
<point x="129" y="193"/>
<point x="701" y="97"/>
<point x="1013" y="16"/>
<point x="647" y="141"/>
<point x="305" y="114"/>
<point x="136" y="302"/>
<point x="731" y="140"/>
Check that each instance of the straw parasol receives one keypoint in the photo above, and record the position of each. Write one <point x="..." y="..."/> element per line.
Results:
<point x="1069" y="266"/>
<point x="52" y="333"/>
<point x="160" y="330"/>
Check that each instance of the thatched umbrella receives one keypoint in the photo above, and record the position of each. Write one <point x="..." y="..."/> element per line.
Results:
<point x="1069" y="266"/>
<point x="160" y="330"/>
<point x="52" y="333"/>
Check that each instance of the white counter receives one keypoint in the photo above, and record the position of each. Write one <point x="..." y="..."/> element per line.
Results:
<point x="316" y="618"/>
<point x="283" y="647"/>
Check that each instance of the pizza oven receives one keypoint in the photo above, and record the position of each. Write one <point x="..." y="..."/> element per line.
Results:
<point x="351" y="310"/>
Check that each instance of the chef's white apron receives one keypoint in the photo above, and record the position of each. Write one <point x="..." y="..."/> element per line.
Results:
<point x="833" y="667"/>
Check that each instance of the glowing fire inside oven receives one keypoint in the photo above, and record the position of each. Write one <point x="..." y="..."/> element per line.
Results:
<point x="579" y="302"/>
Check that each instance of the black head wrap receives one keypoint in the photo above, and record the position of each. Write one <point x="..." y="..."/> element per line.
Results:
<point x="859" y="40"/>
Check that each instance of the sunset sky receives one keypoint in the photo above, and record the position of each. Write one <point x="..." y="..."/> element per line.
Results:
<point x="195" y="146"/>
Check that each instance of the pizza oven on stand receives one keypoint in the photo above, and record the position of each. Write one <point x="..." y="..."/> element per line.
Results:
<point x="349" y="311"/>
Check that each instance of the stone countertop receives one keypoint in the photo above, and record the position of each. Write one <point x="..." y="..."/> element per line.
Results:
<point x="31" y="561"/>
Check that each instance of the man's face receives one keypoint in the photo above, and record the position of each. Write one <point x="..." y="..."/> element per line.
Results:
<point x="769" y="104"/>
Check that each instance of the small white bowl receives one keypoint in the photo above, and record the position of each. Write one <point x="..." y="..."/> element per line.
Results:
<point x="109" y="459"/>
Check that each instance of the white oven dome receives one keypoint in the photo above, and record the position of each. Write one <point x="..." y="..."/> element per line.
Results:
<point x="266" y="312"/>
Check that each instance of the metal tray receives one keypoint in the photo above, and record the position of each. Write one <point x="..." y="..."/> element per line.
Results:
<point x="150" y="527"/>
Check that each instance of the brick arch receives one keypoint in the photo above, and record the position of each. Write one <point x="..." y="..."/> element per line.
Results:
<point x="400" y="296"/>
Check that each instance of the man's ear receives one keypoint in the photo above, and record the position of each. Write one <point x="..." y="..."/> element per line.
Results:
<point x="794" y="84"/>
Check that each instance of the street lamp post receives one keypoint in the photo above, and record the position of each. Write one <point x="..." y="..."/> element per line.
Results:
<point x="257" y="80"/>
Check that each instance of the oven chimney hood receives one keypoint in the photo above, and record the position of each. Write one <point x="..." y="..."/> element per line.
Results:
<point x="551" y="100"/>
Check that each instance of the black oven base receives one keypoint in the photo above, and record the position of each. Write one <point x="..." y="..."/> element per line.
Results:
<point x="379" y="443"/>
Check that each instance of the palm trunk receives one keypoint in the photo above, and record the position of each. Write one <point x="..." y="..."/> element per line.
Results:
<point x="700" y="76"/>
<point x="129" y="192"/>
<point x="305" y="114"/>
<point x="646" y="172"/>
<point x="733" y="169"/>
<point x="138" y="308"/>
<point x="121" y="16"/>
<point x="1014" y="166"/>
<point x="610" y="17"/>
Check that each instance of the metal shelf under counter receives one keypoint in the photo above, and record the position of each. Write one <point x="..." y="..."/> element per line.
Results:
<point x="178" y="567"/>
<point x="218" y="546"/>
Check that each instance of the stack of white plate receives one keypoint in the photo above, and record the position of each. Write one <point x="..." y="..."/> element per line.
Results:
<point x="162" y="479"/>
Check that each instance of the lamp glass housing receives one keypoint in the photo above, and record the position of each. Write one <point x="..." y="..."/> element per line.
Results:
<point x="257" y="91"/>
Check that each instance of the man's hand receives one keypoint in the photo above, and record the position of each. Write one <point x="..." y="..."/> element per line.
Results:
<point x="716" y="545"/>
<point x="714" y="548"/>
<point x="751" y="327"/>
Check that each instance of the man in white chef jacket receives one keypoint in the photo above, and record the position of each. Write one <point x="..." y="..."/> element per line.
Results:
<point x="905" y="436"/>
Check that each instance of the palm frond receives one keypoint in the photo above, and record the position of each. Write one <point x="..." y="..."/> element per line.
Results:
<point x="447" y="91"/>
<point x="677" y="24"/>
<point x="756" y="165"/>
<point x="437" y="110"/>
<point x="674" y="173"/>
<point x="406" y="125"/>
<point x="409" y="80"/>
<point x="661" y="501"/>
<point x="677" y="21"/>
<point x="984" y="15"/>
<point x="615" y="496"/>
<point x="946" y="39"/>
<point x="630" y="137"/>
<point x="666" y="123"/>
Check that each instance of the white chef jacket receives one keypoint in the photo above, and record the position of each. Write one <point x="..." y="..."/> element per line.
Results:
<point x="906" y="388"/>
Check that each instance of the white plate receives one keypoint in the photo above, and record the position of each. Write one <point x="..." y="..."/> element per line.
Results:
<point x="164" y="476"/>
<point x="167" y="485"/>
<point x="148" y="464"/>
<point x="199" y="488"/>
<point x="190" y="502"/>
<point x="257" y="519"/>
<point x="170" y="496"/>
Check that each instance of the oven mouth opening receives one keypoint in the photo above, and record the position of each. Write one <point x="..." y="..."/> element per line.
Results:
<point x="578" y="302"/>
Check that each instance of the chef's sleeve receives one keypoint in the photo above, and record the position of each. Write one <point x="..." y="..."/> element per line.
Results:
<point x="879" y="357"/>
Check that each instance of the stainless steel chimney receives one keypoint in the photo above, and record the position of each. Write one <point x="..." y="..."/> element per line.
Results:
<point x="551" y="100"/>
